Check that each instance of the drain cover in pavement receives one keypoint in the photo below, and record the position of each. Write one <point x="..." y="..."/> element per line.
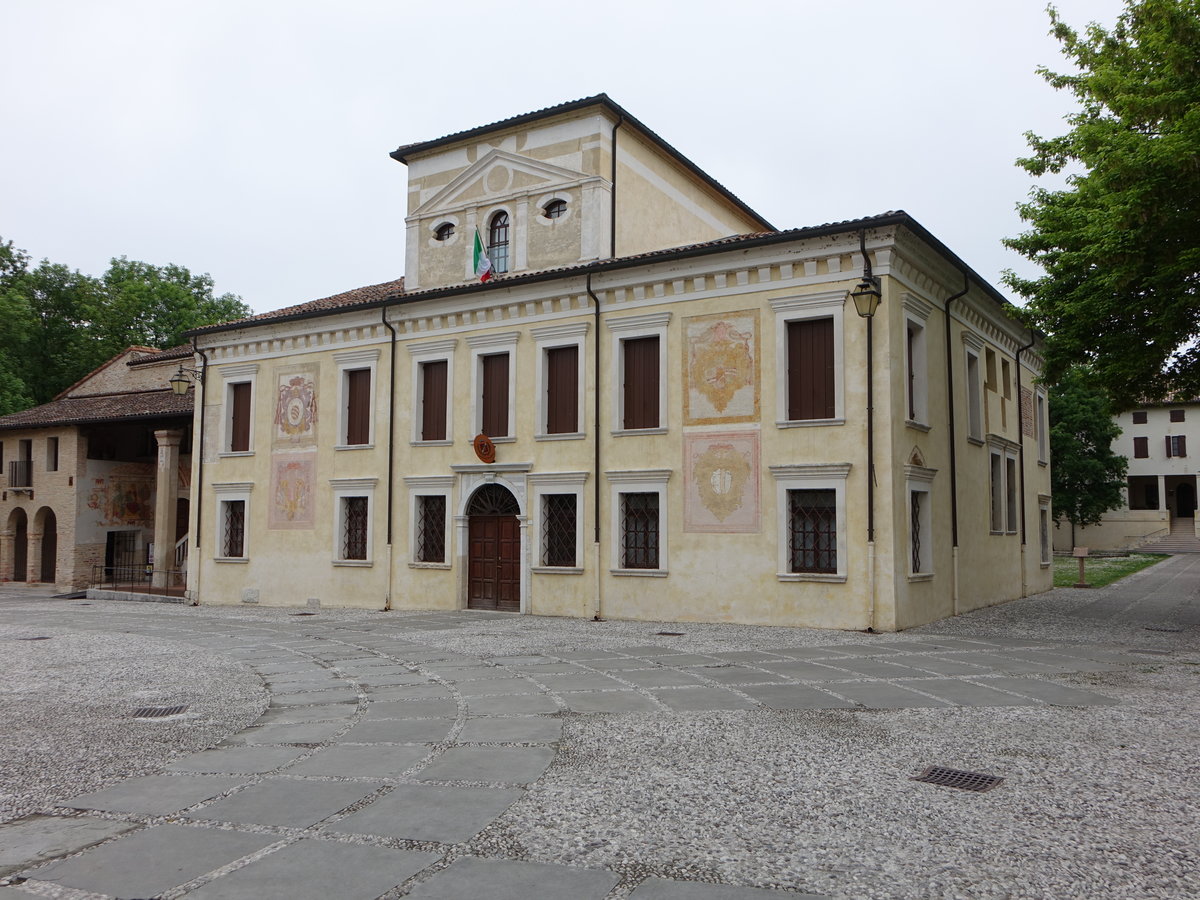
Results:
<point x="157" y="712"/>
<point x="1165" y="628"/>
<point x="303" y="614"/>
<point x="670" y="633"/>
<point x="34" y="639"/>
<point x="956" y="778"/>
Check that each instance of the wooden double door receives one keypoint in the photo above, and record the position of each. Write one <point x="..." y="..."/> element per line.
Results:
<point x="493" y="550"/>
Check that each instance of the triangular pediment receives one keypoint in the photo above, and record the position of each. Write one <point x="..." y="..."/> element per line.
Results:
<point x="498" y="174"/>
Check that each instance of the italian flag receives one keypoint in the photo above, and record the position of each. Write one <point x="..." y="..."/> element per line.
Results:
<point x="483" y="265"/>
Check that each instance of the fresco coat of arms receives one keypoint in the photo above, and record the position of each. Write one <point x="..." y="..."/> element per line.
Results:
<point x="721" y="474"/>
<point x="292" y="480"/>
<point x="296" y="409"/>
<point x="721" y="368"/>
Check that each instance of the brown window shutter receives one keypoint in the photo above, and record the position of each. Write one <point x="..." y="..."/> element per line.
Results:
<point x="1141" y="448"/>
<point x="810" y="369"/>
<point x="240" y="439"/>
<point x="358" y="403"/>
<point x="562" y="390"/>
<point x="1181" y="445"/>
<point x="641" y="383"/>
<point x="1168" y="446"/>
<point x="495" y="395"/>
<point x="433" y="400"/>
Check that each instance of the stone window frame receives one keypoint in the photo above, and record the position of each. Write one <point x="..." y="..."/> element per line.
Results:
<point x="232" y="492"/>
<point x="972" y="351"/>
<point x="639" y="481"/>
<point x="493" y="345"/>
<point x="810" y="477"/>
<point x="919" y="480"/>
<point x="631" y="328"/>
<point x="548" y="483"/>
<point x="341" y="489"/>
<point x="246" y="373"/>
<point x="347" y="362"/>
<point x="421" y="353"/>
<point x="429" y="486"/>
<point x="552" y="337"/>
<point x="916" y="361"/>
<point x="823" y="305"/>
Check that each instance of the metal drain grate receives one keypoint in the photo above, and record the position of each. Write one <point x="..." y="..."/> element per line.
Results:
<point x="956" y="778"/>
<point x="302" y="614"/>
<point x="157" y="712"/>
<point x="34" y="639"/>
<point x="670" y="633"/>
<point x="1166" y="628"/>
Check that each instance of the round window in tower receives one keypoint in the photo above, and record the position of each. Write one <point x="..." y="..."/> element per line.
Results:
<point x="444" y="232"/>
<point x="555" y="209"/>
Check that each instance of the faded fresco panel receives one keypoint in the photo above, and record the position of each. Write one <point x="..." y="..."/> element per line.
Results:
<point x="721" y="482"/>
<point x="120" y="494"/>
<point x="293" y="483"/>
<point x="295" y="407"/>
<point x="720" y="368"/>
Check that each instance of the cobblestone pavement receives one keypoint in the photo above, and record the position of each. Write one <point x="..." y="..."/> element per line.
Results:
<point x="393" y="746"/>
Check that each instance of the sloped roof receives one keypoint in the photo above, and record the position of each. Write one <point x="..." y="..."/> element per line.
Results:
<point x="126" y="406"/>
<point x="362" y="296"/>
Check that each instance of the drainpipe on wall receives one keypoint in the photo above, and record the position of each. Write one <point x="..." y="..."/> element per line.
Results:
<point x="612" y="203"/>
<point x="1021" y="456"/>
<point x="387" y="595"/>
<point x="599" y="585"/>
<point x="198" y="452"/>
<point x="953" y="440"/>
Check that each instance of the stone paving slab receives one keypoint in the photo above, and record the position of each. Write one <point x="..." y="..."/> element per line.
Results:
<point x="497" y="686"/>
<point x="285" y="802"/>
<point x="428" y="812"/>
<point x="795" y="696"/>
<point x="413" y="692"/>
<point x="314" y="698"/>
<point x="1051" y="692"/>
<point x="410" y="709"/>
<point x="368" y="761"/>
<point x="152" y="861"/>
<point x="505" y="765"/>
<point x="738" y="675"/>
<point x="967" y="693"/>
<point x="876" y="668"/>
<point x="511" y="704"/>
<point x="526" y="660"/>
<point x="609" y="701"/>
<point x="237" y="760"/>
<point x="585" y="681"/>
<point x="294" y="715"/>
<point x="496" y="879"/>
<point x="513" y="729"/>
<point x="648" y="651"/>
<point x="616" y="665"/>
<point x="318" y="870"/>
<point x="882" y="695"/>
<point x="155" y="795"/>
<point x="661" y="677"/>
<point x="697" y="699"/>
<point x="34" y="839"/>
<point x="302" y="733"/>
<point x="456" y="674"/>
<point x="941" y="666"/>
<point x="399" y="731"/>
<point x="804" y="671"/>
<point x="665" y="889"/>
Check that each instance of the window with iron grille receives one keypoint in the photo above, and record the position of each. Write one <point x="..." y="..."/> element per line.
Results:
<point x="812" y="531"/>
<point x="639" y="531"/>
<point x="431" y="529"/>
<point x="233" y="529"/>
<point x="914" y="526"/>
<point x="498" y="242"/>
<point x="354" y="527"/>
<point x="558" y="530"/>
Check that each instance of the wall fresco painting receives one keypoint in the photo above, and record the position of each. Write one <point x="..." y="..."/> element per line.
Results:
<point x="721" y="482"/>
<point x="296" y="407"/>
<point x="720" y="368"/>
<point x="123" y="496"/>
<point x="293" y="479"/>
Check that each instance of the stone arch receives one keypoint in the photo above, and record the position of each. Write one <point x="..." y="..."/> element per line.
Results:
<point x="494" y="539"/>
<point x="46" y="524"/>
<point x="18" y="529"/>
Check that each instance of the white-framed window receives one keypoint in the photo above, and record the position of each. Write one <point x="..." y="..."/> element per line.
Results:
<point x="559" y="380"/>
<point x="356" y="398"/>
<point x="809" y="360"/>
<point x="493" y="400"/>
<point x="559" y="510"/>
<point x="237" y="422"/>
<point x="429" y="520"/>
<point x="1044" y="530"/>
<point x="974" y="387"/>
<point x="353" y="525"/>
<point x="916" y="360"/>
<point x="232" y="524"/>
<point x="919" y="486"/>
<point x="553" y="209"/>
<point x="639" y="521"/>
<point x="1011" y="490"/>
<point x="1004" y="485"/>
<point x="444" y="232"/>
<point x="639" y="347"/>
<point x="811" y="504"/>
<point x="1042" y="424"/>
<point x="433" y="389"/>
<point x="996" y="492"/>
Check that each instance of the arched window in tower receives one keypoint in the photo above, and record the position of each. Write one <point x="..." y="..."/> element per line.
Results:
<point x="498" y="242"/>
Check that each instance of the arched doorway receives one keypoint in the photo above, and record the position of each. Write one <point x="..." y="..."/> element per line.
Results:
<point x="18" y="524"/>
<point x="49" y="525"/>
<point x="1185" y="501"/>
<point x="493" y="550"/>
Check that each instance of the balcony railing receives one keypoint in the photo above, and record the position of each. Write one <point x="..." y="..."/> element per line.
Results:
<point x="20" y="473"/>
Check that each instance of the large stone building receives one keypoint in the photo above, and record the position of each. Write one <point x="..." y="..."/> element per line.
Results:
<point x="660" y="407"/>
<point x="98" y="477"/>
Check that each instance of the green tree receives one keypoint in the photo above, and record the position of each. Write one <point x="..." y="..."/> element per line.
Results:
<point x="15" y="393"/>
<point x="1120" y="243"/>
<point x="1087" y="477"/>
<point x="61" y="345"/>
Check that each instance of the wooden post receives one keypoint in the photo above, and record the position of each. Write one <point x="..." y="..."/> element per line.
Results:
<point x="1081" y="553"/>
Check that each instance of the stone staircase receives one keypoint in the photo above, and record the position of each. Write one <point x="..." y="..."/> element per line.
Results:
<point x="1182" y="539"/>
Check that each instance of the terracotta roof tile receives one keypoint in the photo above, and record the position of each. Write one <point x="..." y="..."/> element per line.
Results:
<point x="368" y="294"/>
<point x="101" y="408"/>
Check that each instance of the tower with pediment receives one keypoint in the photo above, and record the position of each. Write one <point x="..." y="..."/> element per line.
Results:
<point x="543" y="193"/>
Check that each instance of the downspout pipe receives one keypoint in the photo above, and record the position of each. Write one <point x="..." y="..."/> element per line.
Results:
<point x="1021" y="429"/>
<point x="391" y="453"/>
<point x="953" y="438"/>
<point x="612" y="202"/>
<point x="596" y="443"/>
<point x="198" y="452"/>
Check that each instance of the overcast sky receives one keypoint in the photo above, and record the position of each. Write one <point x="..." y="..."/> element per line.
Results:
<point x="250" y="140"/>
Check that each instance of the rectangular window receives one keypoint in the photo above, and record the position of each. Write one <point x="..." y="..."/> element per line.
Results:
<point x="354" y="528"/>
<point x="431" y="529"/>
<point x="641" y="388"/>
<point x="1006" y="377"/>
<point x="495" y="395"/>
<point x="1176" y="446"/>
<point x="239" y="417"/>
<point x="810" y="374"/>
<point x="233" y="529"/>
<point x="358" y="407"/>
<point x="433" y="400"/>
<point x="1044" y="533"/>
<point x="558" y="530"/>
<point x="1139" y="417"/>
<point x="990" y="360"/>
<point x="916" y="545"/>
<point x="1177" y="415"/>
<point x="812" y="531"/>
<point x="1043" y="429"/>
<point x="917" y="374"/>
<point x="1141" y="448"/>
<point x="52" y="454"/>
<point x="1010" y="493"/>
<point x="562" y="390"/>
<point x="997" y="493"/>
<point x="639" y="530"/>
